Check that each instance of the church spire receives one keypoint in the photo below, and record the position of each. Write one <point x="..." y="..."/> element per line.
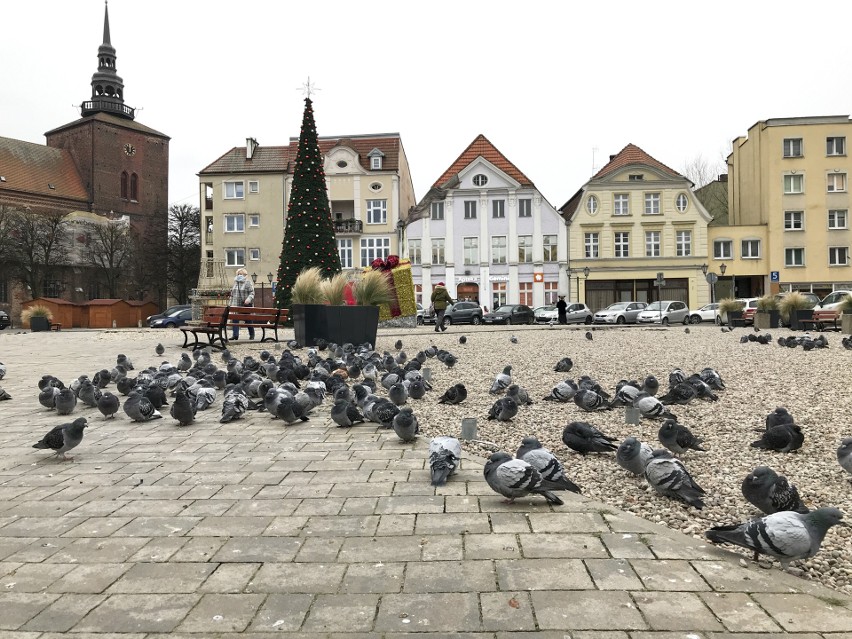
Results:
<point x="107" y="86"/>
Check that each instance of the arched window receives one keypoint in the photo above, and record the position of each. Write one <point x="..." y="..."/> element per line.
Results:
<point x="124" y="185"/>
<point x="134" y="187"/>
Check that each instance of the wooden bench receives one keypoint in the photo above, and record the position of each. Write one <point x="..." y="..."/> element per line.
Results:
<point x="820" y="324"/>
<point x="257" y="317"/>
<point x="212" y="326"/>
<point x="55" y="326"/>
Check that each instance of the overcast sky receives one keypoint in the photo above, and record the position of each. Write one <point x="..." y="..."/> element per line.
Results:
<point x="556" y="86"/>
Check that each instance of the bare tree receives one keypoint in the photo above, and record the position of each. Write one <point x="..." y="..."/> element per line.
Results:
<point x="184" y="254"/>
<point x="110" y="250"/>
<point x="702" y="171"/>
<point x="710" y="189"/>
<point x="39" y="245"/>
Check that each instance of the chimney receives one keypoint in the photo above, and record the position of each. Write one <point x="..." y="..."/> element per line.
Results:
<point x="723" y="177"/>
<point x="251" y="147"/>
<point x="612" y="157"/>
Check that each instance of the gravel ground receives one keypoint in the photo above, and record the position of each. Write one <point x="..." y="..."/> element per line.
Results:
<point x="811" y="385"/>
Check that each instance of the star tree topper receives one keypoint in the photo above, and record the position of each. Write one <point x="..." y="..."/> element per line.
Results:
<point x="307" y="88"/>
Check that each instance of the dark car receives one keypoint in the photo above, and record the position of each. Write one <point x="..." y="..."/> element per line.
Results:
<point x="5" y="322"/>
<point x="169" y="311"/>
<point x="510" y="314"/>
<point x="458" y="313"/>
<point x="173" y="320"/>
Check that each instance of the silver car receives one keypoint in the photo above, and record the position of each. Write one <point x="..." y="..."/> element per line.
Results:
<point x="620" y="313"/>
<point x="665" y="312"/>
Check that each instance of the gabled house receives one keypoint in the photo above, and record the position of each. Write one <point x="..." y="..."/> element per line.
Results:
<point x="636" y="218"/>
<point x="487" y="233"/>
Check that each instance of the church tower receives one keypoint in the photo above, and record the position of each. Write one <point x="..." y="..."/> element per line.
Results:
<point x="107" y="86"/>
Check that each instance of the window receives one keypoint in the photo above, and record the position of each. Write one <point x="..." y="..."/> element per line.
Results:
<point x="592" y="204"/>
<point x="438" y="251"/>
<point x="235" y="223"/>
<point x="794" y="220"/>
<point x="254" y="186"/>
<point x="52" y="288"/>
<point x="377" y="211"/>
<point x="681" y="202"/>
<point x="835" y="146"/>
<point x="525" y="293"/>
<point x="836" y="182"/>
<point x="635" y="177"/>
<point x="549" y="248"/>
<point x="683" y="243"/>
<point x="414" y="252"/>
<point x="592" y="243"/>
<point x="652" y="244"/>
<point x="134" y="187"/>
<point x="750" y="249"/>
<point x="622" y="244"/>
<point x="418" y="294"/>
<point x="344" y="249"/>
<point x="235" y="257"/>
<point x="525" y="207"/>
<point x="376" y="186"/>
<point x="254" y="220"/>
<point x="794" y="257"/>
<point x="471" y="251"/>
<point x="254" y="254"/>
<point x="838" y="256"/>
<point x="621" y="203"/>
<point x="480" y="180"/>
<point x="498" y="208"/>
<point x="376" y="162"/>
<point x="4" y="291"/>
<point x="551" y="291"/>
<point x="652" y="204"/>
<point x="838" y="218"/>
<point x="498" y="290"/>
<point x="498" y="249"/>
<point x="470" y="209"/>
<point x="792" y="147"/>
<point x="525" y="248"/>
<point x="124" y="180"/>
<point x="794" y="183"/>
<point x="437" y="211"/>
<point x="723" y="249"/>
<point x="233" y="190"/>
<point x="373" y="247"/>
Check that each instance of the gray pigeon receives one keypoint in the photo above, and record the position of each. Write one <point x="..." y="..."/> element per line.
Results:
<point x="521" y="396"/>
<point x="650" y="385"/>
<point x="455" y="394"/>
<point x="405" y="424"/>
<point x="502" y="381"/>
<point x="669" y="477"/>
<point x="417" y="389"/>
<point x="159" y="349"/>
<point x="89" y="394"/>
<point x="651" y="407"/>
<point x="182" y="409"/>
<point x="589" y="336"/>
<point x="513" y="339"/>
<point x="65" y="401"/>
<point x="545" y="462"/>
<point x="185" y="362"/>
<point x="2" y="370"/>
<point x="4" y="395"/>
<point x="678" y="438"/>
<point x="397" y="394"/>
<point x="108" y="404"/>
<point x="503" y="409"/>
<point x="234" y="405"/>
<point x="64" y="437"/>
<point x="585" y="438"/>
<point x="590" y="401"/>
<point x="680" y="393"/>
<point x="204" y="398"/>
<point x="778" y="417"/>
<point x="633" y="455"/>
<point x="514" y="478"/>
<point x="564" y="365"/>
<point x="345" y="414"/>
<point x="444" y="458"/>
<point x="47" y="397"/>
<point x="289" y="411"/>
<point x="844" y="454"/>
<point x="563" y="391"/>
<point x="783" y="438"/>
<point x="784" y="535"/>
<point x="124" y="361"/>
<point x="139" y="408"/>
<point x="771" y="492"/>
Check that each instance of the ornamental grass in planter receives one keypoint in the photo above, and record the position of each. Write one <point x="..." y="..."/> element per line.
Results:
<point x="767" y="315"/>
<point x="371" y="288"/>
<point x="38" y="317"/>
<point x="729" y="305"/>
<point x="308" y="287"/>
<point x="845" y="308"/>
<point x="790" y="304"/>
<point x="334" y="289"/>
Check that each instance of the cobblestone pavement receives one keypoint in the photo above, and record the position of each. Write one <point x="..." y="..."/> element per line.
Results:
<point x="248" y="528"/>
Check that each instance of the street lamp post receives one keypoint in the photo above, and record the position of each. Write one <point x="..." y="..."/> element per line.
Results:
<point x="269" y="277"/>
<point x="710" y="281"/>
<point x="722" y="268"/>
<point x="586" y="271"/>
<point x="254" y="281"/>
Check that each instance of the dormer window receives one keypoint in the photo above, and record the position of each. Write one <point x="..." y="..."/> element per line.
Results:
<point x="376" y="162"/>
<point x="635" y="177"/>
<point x="480" y="180"/>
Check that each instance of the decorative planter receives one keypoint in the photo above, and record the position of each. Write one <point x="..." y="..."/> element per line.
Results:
<point x="800" y="314"/>
<point x="734" y="315"/>
<point x="39" y="323"/>
<point x="846" y="323"/>
<point x="767" y="319"/>
<point x="338" y="324"/>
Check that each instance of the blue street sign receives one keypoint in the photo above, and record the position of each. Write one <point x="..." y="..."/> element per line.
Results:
<point x="774" y="276"/>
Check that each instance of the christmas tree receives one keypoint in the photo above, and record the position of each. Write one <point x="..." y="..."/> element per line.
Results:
<point x="309" y="238"/>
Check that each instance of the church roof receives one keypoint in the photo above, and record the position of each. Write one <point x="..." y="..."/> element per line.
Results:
<point x="33" y="168"/>
<point x="111" y="119"/>
<point x="482" y="147"/>
<point x="632" y="154"/>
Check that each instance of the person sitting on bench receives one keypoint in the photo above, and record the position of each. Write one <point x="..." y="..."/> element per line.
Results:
<point x="242" y="294"/>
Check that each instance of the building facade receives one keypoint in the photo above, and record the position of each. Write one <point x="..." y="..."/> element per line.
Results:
<point x="488" y="234"/>
<point x="634" y="219"/>
<point x="245" y="194"/>
<point x="788" y="197"/>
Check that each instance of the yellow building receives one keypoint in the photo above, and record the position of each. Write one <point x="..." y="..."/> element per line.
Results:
<point x="634" y="219"/>
<point x="788" y="198"/>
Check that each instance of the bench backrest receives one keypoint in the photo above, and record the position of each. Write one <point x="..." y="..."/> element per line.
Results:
<point x="257" y="314"/>
<point x="216" y="315"/>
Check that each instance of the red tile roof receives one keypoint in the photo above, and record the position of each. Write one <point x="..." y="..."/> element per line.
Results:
<point x="482" y="147"/>
<point x="31" y="168"/>
<point x="632" y="154"/>
<point x="266" y="159"/>
<point x="112" y="119"/>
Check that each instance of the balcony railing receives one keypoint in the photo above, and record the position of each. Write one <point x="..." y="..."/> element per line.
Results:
<point x="93" y="106"/>
<point x="348" y="226"/>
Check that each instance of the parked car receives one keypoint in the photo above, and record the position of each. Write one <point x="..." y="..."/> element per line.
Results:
<point x="5" y="322"/>
<point x="420" y="312"/>
<point x="827" y="308"/>
<point x="510" y="314"/>
<point x="173" y="320"/>
<point x="545" y="314"/>
<point x="458" y="313"/>
<point x="664" y="311"/>
<point x="576" y="313"/>
<point x="749" y="309"/>
<point x="707" y="313"/>
<point x="620" y="313"/>
<point x="166" y="313"/>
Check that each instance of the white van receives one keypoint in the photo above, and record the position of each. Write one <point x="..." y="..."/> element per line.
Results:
<point x="827" y="308"/>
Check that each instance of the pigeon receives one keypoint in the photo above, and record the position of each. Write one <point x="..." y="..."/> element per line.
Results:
<point x="182" y="409"/>
<point x="204" y="398"/>
<point x="585" y="438"/>
<point x="702" y="389"/>
<point x="564" y="365"/>
<point x="397" y="394"/>
<point x="521" y="396"/>
<point x="64" y="437"/>
<point x="503" y="409"/>
<point x="455" y="394"/>
<point x="159" y="349"/>
<point x="108" y="404"/>
<point x="680" y="393"/>
<point x="4" y="395"/>
<point x="513" y="339"/>
<point x="234" y="405"/>
<point x="462" y="340"/>
<point x="417" y="389"/>
<point x="686" y="330"/>
<point x="590" y="401"/>
<point x="289" y="411"/>
<point x="624" y="395"/>
<point x="47" y="397"/>
<point x="777" y="417"/>
<point x="784" y="535"/>
<point x="562" y="392"/>
<point x="844" y="454"/>
<point x="650" y="385"/>
<point x="2" y="370"/>
<point x="139" y="408"/>
<point x="771" y="492"/>
<point x="514" y="478"/>
<point x="444" y="458"/>
<point x="89" y="394"/>
<point x="65" y="401"/>
<point x="669" y="477"/>
<point x="678" y="438"/>
<point x="712" y="378"/>
<point x="502" y="381"/>
<point x="589" y="336"/>
<point x="383" y="412"/>
<point x="633" y="455"/>
<point x="345" y="414"/>
<point x="398" y="345"/>
<point x="185" y="362"/>
<point x="545" y="462"/>
<point x="405" y="424"/>
<point x="783" y="438"/>
<point x="122" y="360"/>
<point x="651" y="407"/>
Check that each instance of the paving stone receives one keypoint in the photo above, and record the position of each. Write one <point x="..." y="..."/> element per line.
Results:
<point x="296" y="578"/>
<point x="282" y="613"/>
<point x="542" y="574"/>
<point x="138" y="613"/>
<point x="160" y="549"/>
<point x="34" y="577"/>
<point x="726" y="575"/>
<point x="509" y="522"/>
<point x="437" y="612"/>
<point x="198" y="549"/>
<point x="359" y="526"/>
<point x="668" y="574"/>
<point x="222" y="613"/>
<point x="676" y="611"/>
<point x="231" y="526"/>
<point x="258" y="549"/>
<point x="613" y="574"/>
<point x="626" y="546"/>
<point x="506" y="611"/>
<point x="40" y="526"/>
<point x="285" y="526"/>
<point x="64" y="613"/>
<point x="738" y="612"/>
<point x="353" y="506"/>
<point x="314" y="490"/>
<point x="682" y="547"/>
<point x="373" y="549"/>
<point x="492" y="546"/>
<point x="98" y="526"/>
<point x="559" y="523"/>
<point x="319" y="549"/>
<point x="412" y="504"/>
<point x="442" y="548"/>
<point x="89" y="578"/>
<point x="342" y="613"/>
<point x="162" y="578"/>
<point x="111" y="550"/>
<point x="457" y="523"/>
<point x="450" y="576"/>
<point x="396" y="525"/>
<point x="806" y="613"/>
<point x="153" y="508"/>
<point x="20" y="607"/>
<point x="229" y="578"/>
<point x="158" y="526"/>
<point x="373" y="578"/>
<point x="586" y="610"/>
<point x="359" y="489"/>
<point x="558" y="545"/>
